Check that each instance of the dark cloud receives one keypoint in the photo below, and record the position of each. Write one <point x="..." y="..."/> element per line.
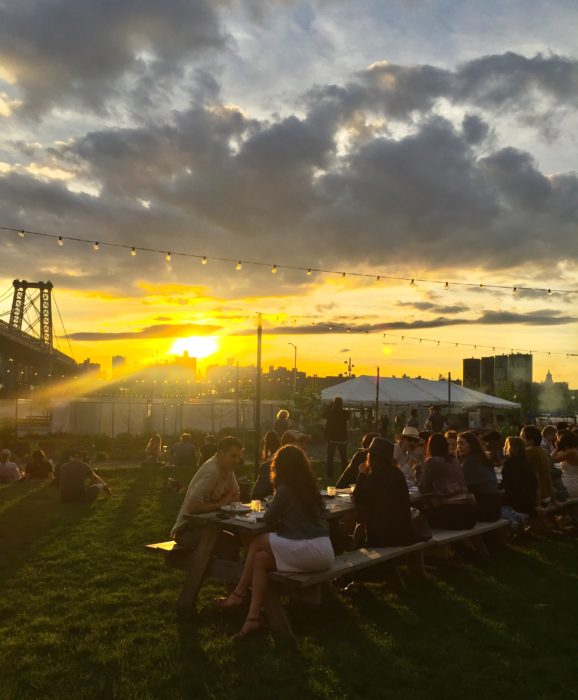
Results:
<point x="545" y="317"/>
<point x="157" y="331"/>
<point x="82" y="50"/>
<point x="210" y="179"/>
<point x="434" y="308"/>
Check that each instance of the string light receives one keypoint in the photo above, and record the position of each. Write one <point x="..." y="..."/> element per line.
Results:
<point x="60" y="242"/>
<point x="274" y="269"/>
<point x="239" y="265"/>
<point x="168" y="257"/>
<point x="515" y="291"/>
<point x="96" y="245"/>
<point x="412" y="281"/>
<point x="133" y="251"/>
<point x="204" y="261"/>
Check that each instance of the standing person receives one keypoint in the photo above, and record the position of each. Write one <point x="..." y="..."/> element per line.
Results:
<point x="213" y="486"/>
<point x="336" y="433"/>
<point x="413" y="420"/>
<point x="281" y="424"/>
<point x="300" y="540"/>
<point x="480" y="477"/>
<point x="436" y="422"/>
<point x="442" y="479"/>
<point x="71" y="477"/>
<point x="8" y="470"/>
<point x="184" y="453"/>
<point x="384" y="426"/>
<point x="39" y="467"/>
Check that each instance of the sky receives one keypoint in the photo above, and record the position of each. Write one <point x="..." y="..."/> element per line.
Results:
<point x="435" y="141"/>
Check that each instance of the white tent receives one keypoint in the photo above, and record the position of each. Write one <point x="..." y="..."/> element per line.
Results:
<point x="361" y="391"/>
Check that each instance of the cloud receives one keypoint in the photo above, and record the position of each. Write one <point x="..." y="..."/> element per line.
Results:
<point x="156" y="331"/>
<point x="81" y="51"/>
<point x="544" y="317"/>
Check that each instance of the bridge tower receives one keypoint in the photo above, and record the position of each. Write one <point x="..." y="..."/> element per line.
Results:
<point x="32" y="309"/>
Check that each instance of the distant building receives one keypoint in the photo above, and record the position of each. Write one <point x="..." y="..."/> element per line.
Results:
<point x="88" y="366"/>
<point x="118" y="361"/>
<point x="471" y="372"/>
<point x="487" y="374"/>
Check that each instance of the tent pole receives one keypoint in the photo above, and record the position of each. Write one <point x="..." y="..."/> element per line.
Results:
<point x="449" y="394"/>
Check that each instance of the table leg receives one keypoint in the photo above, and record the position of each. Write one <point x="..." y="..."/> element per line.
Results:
<point x="275" y="612"/>
<point x="198" y="567"/>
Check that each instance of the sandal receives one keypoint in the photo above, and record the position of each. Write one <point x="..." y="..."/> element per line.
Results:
<point x="252" y="625"/>
<point x="228" y="604"/>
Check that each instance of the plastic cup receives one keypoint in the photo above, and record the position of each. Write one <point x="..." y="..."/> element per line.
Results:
<point x="256" y="506"/>
<point x="331" y="491"/>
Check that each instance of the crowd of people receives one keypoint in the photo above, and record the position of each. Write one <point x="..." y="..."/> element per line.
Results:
<point x="458" y="479"/>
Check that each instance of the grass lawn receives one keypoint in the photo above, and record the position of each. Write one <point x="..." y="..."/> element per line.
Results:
<point x="86" y="612"/>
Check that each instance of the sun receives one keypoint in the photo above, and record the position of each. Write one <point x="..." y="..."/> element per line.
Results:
<point x="195" y="345"/>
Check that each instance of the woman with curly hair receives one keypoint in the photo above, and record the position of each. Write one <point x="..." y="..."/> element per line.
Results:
<point x="299" y="540"/>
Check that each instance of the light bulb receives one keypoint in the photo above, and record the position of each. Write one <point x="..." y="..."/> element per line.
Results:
<point x="515" y="291"/>
<point x="60" y="241"/>
<point x="447" y="286"/>
<point x="133" y="251"/>
<point x="274" y="269"/>
<point x="96" y="245"/>
<point x="309" y="271"/>
<point x="204" y="261"/>
<point x="412" y="283"/>
<point x="239" y="265"/>
<point x="21" y="234"/>
<point x="168" y="257"/>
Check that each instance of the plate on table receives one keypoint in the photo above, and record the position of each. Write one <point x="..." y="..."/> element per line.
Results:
<point x="236" y="508"/>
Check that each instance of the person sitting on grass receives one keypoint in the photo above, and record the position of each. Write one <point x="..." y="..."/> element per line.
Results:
<point x="349" y="476"/>
<point x="8" y="470"/>
<point x="207" y="449"/>
<point x="70" y="478"/>
<point x="519" y="484"/>
<point x="442" y="479"/>
<point x="480" y="477"/>
<point x="39" y="467"/>
<point x="299" y="541"/>
<point x="153" y="450"/>
<point x="184" y="453"/>
<point x="213" y="486"/>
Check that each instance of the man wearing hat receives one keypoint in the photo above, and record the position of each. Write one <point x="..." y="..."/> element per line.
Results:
<point x="408" y="451"/>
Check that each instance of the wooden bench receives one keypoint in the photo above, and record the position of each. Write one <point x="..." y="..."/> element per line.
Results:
<point x="442" y="538"/>
<point x="300" y="586"/>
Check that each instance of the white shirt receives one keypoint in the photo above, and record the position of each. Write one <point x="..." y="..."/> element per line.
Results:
<point x="209" y="484"/>
<point x="9" y="472"/>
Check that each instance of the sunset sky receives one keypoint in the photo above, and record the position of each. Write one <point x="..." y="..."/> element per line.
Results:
<point x="433" y="140"/>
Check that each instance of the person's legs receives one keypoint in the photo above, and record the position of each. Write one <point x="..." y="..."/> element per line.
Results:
<point x="263" y="562"/>
<point x="330" y="455"/>
<point x="235" y="598"/>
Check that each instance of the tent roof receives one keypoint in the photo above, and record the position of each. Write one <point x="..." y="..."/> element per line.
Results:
<point x="361" y="391"/>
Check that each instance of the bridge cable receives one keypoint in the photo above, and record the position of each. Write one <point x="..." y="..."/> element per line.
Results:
<point x="63" y="327"/>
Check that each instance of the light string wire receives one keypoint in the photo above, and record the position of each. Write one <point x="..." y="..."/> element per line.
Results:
<point x="478" y="346"/>
<point x="239" y="262"/>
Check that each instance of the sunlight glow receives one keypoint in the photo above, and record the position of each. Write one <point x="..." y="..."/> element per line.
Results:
<point x="195" y="345"/>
